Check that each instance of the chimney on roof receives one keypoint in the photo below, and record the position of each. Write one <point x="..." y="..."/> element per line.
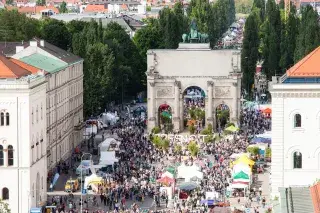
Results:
<point x="33" y="43"/>
<point x="42" y="43"/>
<point x="19" y="49"/>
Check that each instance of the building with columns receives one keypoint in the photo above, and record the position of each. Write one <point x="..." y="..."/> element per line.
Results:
<point x="23" y="141"/>
<point x="296" y="125"/>
<point x="171" y="72"/>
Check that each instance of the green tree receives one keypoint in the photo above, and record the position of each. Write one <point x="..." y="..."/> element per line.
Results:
<point x="148" y="38"/>
<point x="249" y="53"/>
<point x="76" y="26"/>
<point x="9" y="2"/>
<point x="130" y="59"/>
<point x="309" y="33"/>
<point x="41" y="2"/>
<point x="56" y="33"/>
<point x="261" y="5"/>
<point x="193" y="148"/>
<point x="63" y="7"/>
<point x="15" y="26"/>
<point x="169" y="28"/>
<point x="4" y="207"/>
<point x="289" y="36"/>
<point x="99" y="65"/>
<point x="243" y="6"/>
<point x="271" y="38"/>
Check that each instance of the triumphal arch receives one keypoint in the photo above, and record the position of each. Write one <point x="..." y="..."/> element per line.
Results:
<point x="172" y="71"/>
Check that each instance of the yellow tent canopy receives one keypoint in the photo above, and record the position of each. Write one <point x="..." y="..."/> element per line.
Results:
<point x="245" y="160"/>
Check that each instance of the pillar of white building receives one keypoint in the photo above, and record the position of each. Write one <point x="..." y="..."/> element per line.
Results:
<point x="176" y="118"/>
<point x="5" y="158"/>
<point x="234" y="115"/>
<point x="181" y="112"/>
<point x="151" y="106"/>
<point x="209" y="117"/>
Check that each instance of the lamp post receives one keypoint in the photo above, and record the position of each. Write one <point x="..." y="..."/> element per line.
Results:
<point x="81" y="178"/>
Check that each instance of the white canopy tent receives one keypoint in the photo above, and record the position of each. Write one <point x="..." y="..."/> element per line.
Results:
<point x="188" y="172"/>
<point x="241" y="167"/>
<point x="107" y="158"/>
<point x="104" y="146"/>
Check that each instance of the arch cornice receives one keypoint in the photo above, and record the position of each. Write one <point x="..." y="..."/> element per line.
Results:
<point x="293" y="149"/>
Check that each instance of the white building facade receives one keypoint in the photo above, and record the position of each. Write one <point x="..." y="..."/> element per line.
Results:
<point x="296" y="126"/>
<point x="23" y="142"/>
<point x="64" y="104"/>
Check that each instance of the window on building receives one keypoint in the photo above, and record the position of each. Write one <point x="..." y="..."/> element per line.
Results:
<point x="1" y="155"/>
<point x="1" y="119"/>
<point x="37" y="114"/>
<point x="297" y="120"/>
<point x="7" y="119"/>
<point x="10" y="155"/>
<point x="32" y="115"/>
<point x="297" y="160"/>
<point x="5" y="193"/>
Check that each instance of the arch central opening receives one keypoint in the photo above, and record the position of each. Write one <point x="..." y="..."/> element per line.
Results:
<point x="194" y="109"/>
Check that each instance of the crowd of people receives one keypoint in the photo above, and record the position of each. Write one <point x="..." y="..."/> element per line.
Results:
<point x="140" y="164"/>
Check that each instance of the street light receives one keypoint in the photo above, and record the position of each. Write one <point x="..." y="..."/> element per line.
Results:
<point x="81" y="177"/>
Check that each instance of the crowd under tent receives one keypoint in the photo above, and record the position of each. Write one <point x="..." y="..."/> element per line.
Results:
<point x="189" y="172"/>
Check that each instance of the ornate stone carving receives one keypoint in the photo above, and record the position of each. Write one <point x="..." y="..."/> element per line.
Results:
<point x="152" y="84"/>
<point x="210" y="83"/>
<point x="222" y="91"/>
<point x="164" y="92"/>
<point x="210" y="119"/>
<point x="235" y="84"/>
<point x="152" y="119"/>
<point x="178" y="84"/>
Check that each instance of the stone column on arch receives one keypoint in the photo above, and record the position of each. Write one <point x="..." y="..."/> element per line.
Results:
<point x="176" y="117"/>
<point x="181" y="111"/>
<point x="151" y="106"/>
<point x="209" y="117"/>
<point x="234" y="115"/>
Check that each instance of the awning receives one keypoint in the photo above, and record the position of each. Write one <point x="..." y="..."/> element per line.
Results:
<point x="239" y="186"/>
<point x="35" y="210"/>
<point x="241" y="175"/>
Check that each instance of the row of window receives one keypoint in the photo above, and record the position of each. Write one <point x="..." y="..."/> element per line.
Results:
<point x="4" y="119"/>
<point x="37" y="114"/>
<point x="9" y="160"/>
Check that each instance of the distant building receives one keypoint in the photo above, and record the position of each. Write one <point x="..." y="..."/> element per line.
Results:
<point x="23" y="141"/>
<point x="296" y="125"/>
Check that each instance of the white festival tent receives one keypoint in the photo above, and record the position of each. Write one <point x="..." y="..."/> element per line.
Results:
<point x="167" y="174"/>
<point x="188" y="172"/>
<point x="108" y="158"/>
<point x="104" y="146"/>
<point x="241" y="167"/>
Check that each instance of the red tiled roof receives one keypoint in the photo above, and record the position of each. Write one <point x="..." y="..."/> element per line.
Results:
<point x="40" y="8"/>
<point x="95" y="8"/>
<point x="27" y="10"/>
<point x="37" y="9"/>
<point x="25" y="66"/>
<point x="307" y="67"/>
<point x="8" y="69"/>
